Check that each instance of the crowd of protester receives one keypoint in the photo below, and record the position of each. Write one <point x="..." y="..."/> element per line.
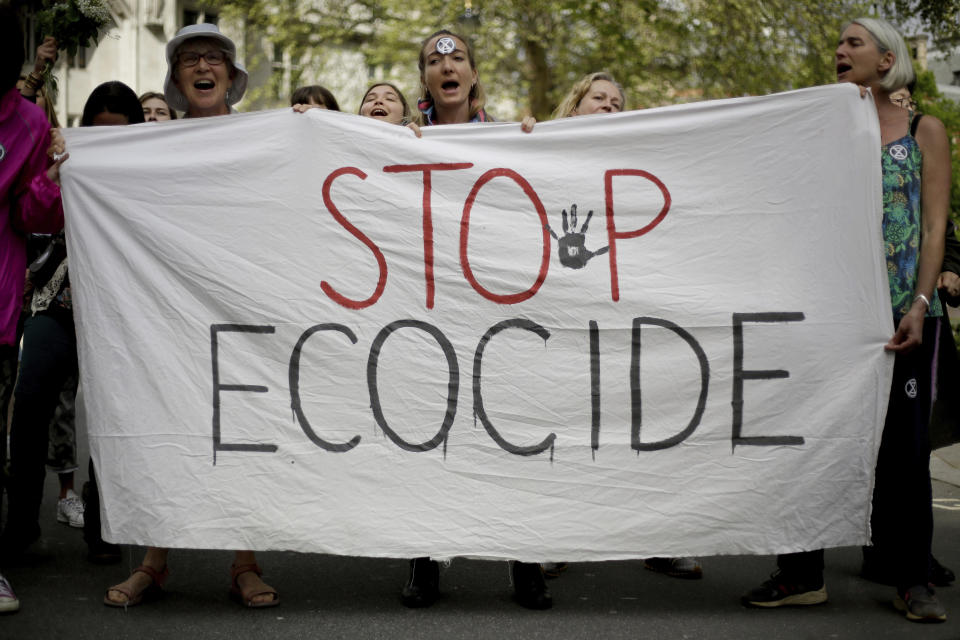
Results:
<point x="205" y="79"/>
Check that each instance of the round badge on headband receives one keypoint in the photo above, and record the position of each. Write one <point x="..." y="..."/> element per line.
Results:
<point x="446" y="45"/>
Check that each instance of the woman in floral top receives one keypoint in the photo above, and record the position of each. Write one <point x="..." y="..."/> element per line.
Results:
<point x="915" y="158"/>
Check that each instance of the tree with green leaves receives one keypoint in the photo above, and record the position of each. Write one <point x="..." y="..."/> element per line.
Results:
<point x="529" y="52"/>
<point x="939" y="18"/>
<point x="751" y="47"/>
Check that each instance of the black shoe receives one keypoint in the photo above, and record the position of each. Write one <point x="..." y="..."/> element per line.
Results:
<point x="781" y="590"/>
<point x="529" y="587"/>
<point x="920" y="605"/>
<point x="684" y="567"/>
<point x="423" y="588"/>
<point x="940" y="576"/>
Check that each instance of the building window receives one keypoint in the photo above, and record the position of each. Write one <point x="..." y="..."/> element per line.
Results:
<point x="78" y="61"/>
<point x="196" y="16"/>
<point x="31" y="38"/>
<point x="956" y="79"/>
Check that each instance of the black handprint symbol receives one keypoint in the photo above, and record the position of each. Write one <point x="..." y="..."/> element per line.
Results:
<point x="573" y="253"/>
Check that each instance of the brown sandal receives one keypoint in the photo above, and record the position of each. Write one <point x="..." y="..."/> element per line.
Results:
<point x="246" y="599"/>
<point x="150" y="592"/>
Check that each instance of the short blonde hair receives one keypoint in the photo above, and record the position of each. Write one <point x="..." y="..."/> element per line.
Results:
<point x="887" y="38"/>
<point x="568" y="105"/>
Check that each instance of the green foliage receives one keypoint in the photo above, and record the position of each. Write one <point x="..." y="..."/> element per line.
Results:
<point x="939" y="18"/>
<point x="528" y="52"/>
<point x="74" y="23"/>
<point x="754" y="47"/>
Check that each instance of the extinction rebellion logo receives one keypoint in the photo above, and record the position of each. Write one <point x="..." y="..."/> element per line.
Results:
<point x="911" y="388"/>
<point x="898" y="152"/>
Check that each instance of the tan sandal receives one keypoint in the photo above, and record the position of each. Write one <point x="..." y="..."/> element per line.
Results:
<point x="151" y="592"/>
<point x="246" y="599"/>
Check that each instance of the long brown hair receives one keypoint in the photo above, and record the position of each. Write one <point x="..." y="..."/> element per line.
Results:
<point x="403" y="100"/>
<point x="49" y="109"/>
<point x="477" y="97"/>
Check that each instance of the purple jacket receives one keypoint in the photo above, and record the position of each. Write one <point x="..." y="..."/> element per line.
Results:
<point x="29" y="201"/>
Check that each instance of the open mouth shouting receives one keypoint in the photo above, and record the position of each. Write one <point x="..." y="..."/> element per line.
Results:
<point x="378" y="112"/>
<point x="842" y="68"/>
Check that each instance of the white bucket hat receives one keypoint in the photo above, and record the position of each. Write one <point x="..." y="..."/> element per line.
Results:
<point x="175" y="98"/>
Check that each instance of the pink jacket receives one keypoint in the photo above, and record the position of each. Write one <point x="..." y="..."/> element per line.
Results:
<point x="29" y="201"/>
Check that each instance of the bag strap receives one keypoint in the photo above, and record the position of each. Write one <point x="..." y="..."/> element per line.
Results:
<point x="914" y="121"/>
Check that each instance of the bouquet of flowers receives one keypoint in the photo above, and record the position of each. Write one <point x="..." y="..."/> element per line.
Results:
<point x="74" y="23"/>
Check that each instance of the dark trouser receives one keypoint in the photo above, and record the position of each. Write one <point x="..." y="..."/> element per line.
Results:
<point x="49" y="358"/>
<point x="902" y="519"/>
<point x="91" y="511"/>
<point x="805" y="567"/>
<point x="8" y="375"/>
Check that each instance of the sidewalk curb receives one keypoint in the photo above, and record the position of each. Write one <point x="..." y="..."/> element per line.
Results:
<point x="945" y="465"/>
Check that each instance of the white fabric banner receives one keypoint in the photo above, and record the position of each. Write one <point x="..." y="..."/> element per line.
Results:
<point x="657" y="332"/>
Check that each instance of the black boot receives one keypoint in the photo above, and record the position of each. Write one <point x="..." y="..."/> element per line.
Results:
<point x="940" y="576"/>
<point x="529" y="587"/>
<point x="98" y="550"/>
<point x="423" y="587"/>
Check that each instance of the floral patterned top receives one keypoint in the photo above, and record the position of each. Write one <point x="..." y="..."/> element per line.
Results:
<point x="902" y="164"/>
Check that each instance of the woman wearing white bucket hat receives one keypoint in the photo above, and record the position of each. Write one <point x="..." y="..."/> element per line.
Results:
<point x="203" y="79"/>
<point x="203" y="75"/>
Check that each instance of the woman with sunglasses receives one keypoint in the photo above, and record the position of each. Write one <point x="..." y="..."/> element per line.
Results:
<point x="204" y="79"/>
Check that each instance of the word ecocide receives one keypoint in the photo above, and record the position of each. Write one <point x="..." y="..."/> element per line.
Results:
<point x="312" y="429"/>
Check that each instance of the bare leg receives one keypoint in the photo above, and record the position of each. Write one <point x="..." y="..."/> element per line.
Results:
<point x="249" y="581"/>
<point x="66" y="483"/>
<point x="155" y="558"/>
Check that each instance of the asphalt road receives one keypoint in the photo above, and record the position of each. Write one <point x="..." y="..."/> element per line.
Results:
<point x="342" y="597"/>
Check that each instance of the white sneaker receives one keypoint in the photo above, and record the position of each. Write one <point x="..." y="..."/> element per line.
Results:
<point x="70" y="510"/>
<point x="8" y="599"/>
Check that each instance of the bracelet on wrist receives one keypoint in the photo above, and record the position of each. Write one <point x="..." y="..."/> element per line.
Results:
<point x="924" y="298"/>
<point x="33" y="80"/>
